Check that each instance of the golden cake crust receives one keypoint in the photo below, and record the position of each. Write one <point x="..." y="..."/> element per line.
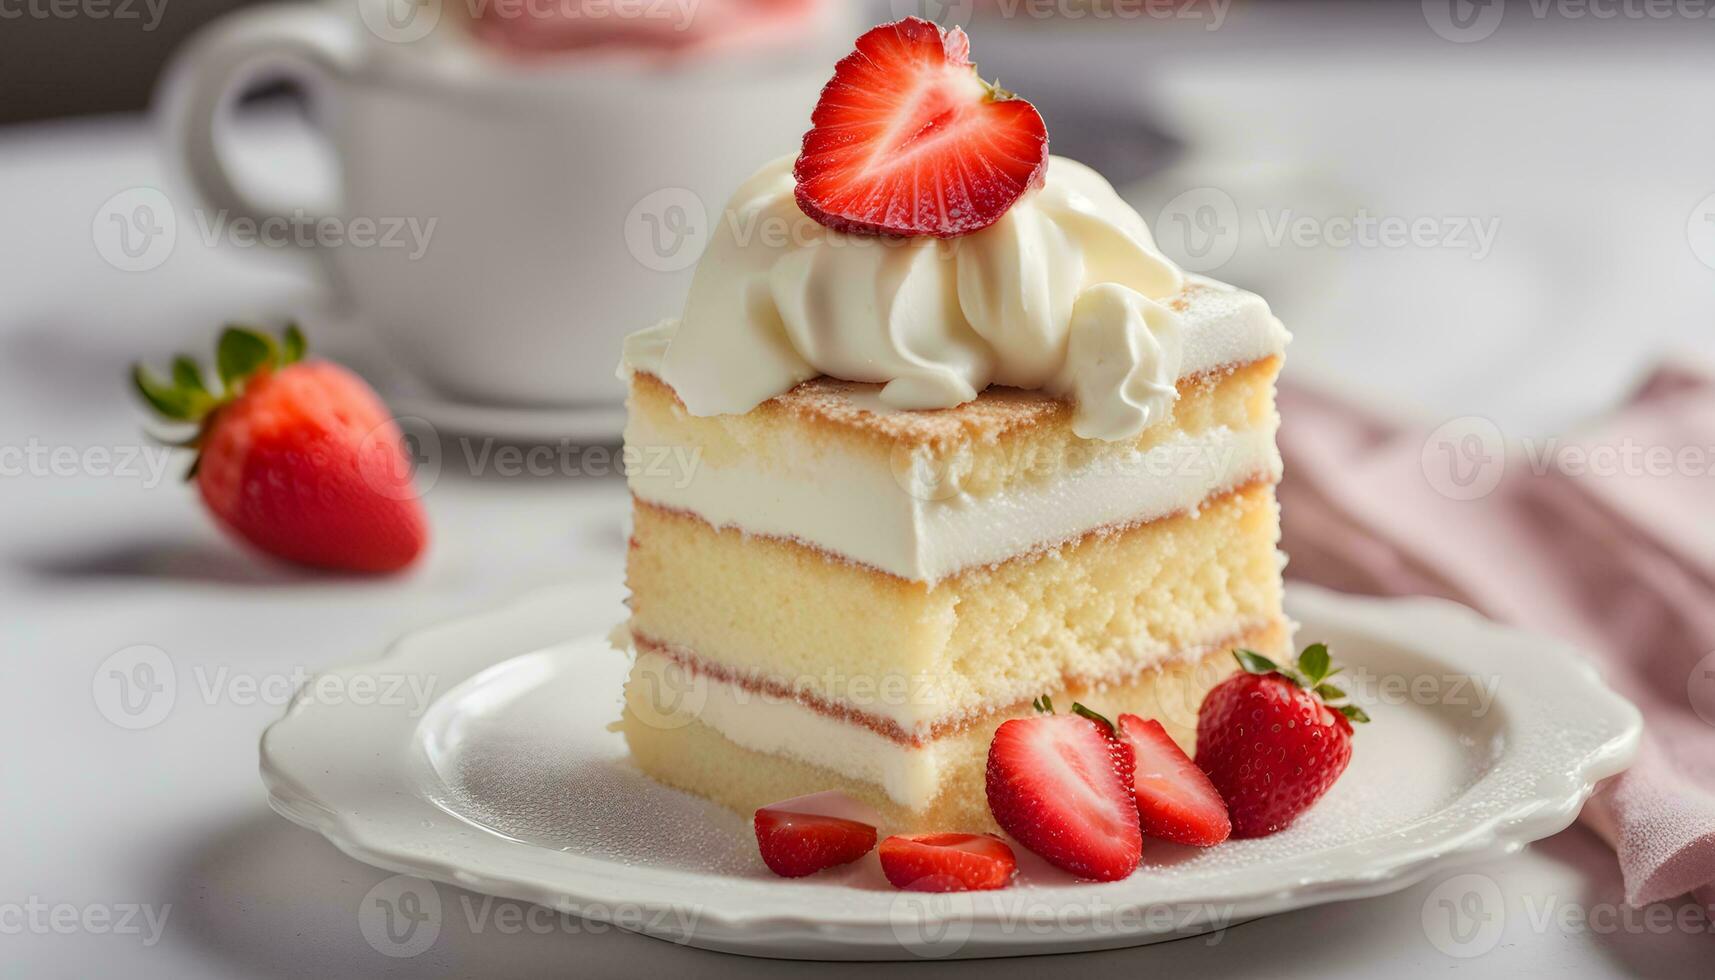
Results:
<point x="849" y="408"/>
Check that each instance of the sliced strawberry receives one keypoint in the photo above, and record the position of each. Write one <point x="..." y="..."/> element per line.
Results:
<point x="947" y="862"/>
<point x="1175" y="800"/>
<point x="908" y="140"/>
<point x="1061" y="786"/>
<point x="797" y="844"/>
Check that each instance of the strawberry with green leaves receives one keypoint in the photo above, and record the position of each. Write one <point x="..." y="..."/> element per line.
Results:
<point x="1273" y="739"/>
<point x="297" y="457"/>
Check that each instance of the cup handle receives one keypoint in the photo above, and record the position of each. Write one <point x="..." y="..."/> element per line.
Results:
<point x="310" y="44"/>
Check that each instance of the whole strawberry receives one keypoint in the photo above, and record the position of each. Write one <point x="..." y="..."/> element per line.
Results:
<point x="1270" y="740"/>
<point x="299" y="458"/>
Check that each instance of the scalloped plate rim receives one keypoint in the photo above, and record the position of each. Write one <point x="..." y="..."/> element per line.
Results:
<point x="863" y="935"/>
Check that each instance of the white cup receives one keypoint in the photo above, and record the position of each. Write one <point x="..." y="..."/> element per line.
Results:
<point x="569" y="198"/>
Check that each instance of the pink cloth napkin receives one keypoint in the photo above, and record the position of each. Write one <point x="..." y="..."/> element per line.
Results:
<point x="1606" y="538"/>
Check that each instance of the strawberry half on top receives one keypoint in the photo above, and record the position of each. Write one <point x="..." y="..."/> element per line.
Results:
<point x="1273" y="739"/>
<point x="1061" y="786"/>
<point x="908" y="140"/>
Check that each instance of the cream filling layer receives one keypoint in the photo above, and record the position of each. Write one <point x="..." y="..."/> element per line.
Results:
<point x="665" y="692"/>
<point x="910" y="775"/>
<point x="905" y="520"/>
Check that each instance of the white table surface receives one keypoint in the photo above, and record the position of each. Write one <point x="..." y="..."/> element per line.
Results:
<point x="1593" y="155"/>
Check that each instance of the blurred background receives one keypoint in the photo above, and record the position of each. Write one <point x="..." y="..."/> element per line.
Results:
<point x="1544" y="153"/>
<point x="1488" y="220"/>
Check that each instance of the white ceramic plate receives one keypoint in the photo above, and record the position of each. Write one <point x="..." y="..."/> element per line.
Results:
<point x="509" y="783"/>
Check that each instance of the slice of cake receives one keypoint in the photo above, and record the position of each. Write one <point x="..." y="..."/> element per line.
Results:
<point x="896" y="477"/>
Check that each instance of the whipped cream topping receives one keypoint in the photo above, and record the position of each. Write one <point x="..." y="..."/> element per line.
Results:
<point x="1060" y="294"/>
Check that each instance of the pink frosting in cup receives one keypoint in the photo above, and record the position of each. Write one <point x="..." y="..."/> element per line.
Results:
<point x="670" y="27"/>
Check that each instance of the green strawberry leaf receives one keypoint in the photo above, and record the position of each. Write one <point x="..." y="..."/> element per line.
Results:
<point x="295" y="345"/>
<point x="1255" y="663"/>
<point x="1329" y="692"/>
<point x="170" y="401"/>
<point x="1353" y="713"/>
<point x="1043" y="705"/>
<point x="1079" y="709"/>
<point x="187" y="375"/>
<point x="241" y="353"/>
<point x="1314" y="662"/>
